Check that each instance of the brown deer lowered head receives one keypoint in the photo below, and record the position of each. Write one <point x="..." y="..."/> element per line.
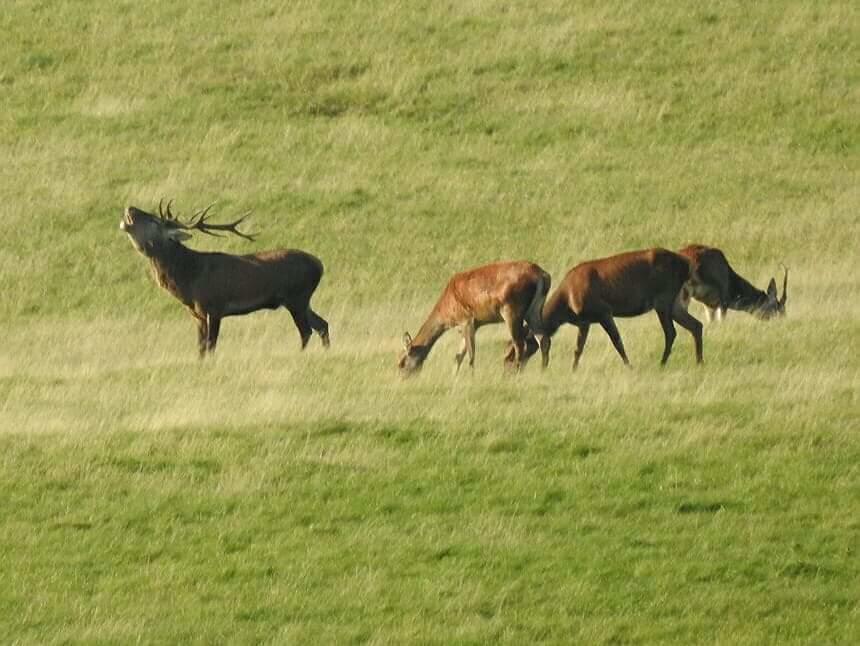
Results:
<point x="215" y="285"/>
<point x="509" y="292"/>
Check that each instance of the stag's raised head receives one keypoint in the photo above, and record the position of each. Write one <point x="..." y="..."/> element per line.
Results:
<point x="774" y="307"/>
<point x="148" y="232"/>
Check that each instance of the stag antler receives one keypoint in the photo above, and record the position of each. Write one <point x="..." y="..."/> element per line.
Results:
<point x="784" y="284"/>
<point x="198" y="222"/>
<point x="166" y="216"/>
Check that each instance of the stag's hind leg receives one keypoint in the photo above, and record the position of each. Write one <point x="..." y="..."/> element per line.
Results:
<point x="300" y="317"/>
<point x="320" y="326"/>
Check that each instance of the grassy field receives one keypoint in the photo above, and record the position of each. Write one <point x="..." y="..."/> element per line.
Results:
<point x="275" y="496"/>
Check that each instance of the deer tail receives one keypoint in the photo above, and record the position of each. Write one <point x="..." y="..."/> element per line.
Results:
<point x="534" y="314"/>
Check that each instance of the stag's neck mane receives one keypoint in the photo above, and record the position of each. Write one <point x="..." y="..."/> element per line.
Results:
<point x="173" y="264"/>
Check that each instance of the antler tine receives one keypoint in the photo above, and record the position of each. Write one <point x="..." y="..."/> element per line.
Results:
<point x="784" y="284"/>
<point x="231" y="227"/>
<point x="200" y="216"/>
<point x="170" y="215"/>
<point x="160" y="212"/>
<point x="199" y="222"/>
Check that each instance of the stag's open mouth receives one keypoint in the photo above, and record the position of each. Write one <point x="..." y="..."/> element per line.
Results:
<point x="126" y="221"/>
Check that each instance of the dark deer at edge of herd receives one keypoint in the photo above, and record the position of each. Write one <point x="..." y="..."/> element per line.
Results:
<point x="214" y="285"/>
<point x="720" y="288"/>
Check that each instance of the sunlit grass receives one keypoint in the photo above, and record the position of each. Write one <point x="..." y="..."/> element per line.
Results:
<point x="272" y="495"/>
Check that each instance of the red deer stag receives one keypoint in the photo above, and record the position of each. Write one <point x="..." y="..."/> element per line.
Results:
<point x="720" y="288"/>
<point x="513" y="292"/>
<point x="215" y="285"/>
<point x="625" y="285"/>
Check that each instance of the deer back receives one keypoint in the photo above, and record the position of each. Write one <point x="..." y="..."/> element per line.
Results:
<point x="627" y="284"/>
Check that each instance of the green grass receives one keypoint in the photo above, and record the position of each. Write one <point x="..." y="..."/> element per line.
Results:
<point x="274" y="496"/>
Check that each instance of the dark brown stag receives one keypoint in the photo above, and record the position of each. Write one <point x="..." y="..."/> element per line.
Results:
<point x="720" y="288"/>
<point x="512" y="292"/>
<point x="215" y="285"/>
<point x="626" y="285"/>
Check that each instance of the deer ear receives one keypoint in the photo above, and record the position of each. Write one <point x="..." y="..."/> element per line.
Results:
<point x="771" y="289"/>
<point x="407" y="341"/>
<point x="178" y="234"/>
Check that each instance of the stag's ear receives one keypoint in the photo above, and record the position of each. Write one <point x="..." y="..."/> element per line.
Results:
<point x="407" y="341"/>
<point x="178" y="234"/>
<point x="771" y="289"/>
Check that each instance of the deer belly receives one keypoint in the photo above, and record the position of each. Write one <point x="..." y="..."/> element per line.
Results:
<point x="704" y="294"/>
<point x="238" y="307"/>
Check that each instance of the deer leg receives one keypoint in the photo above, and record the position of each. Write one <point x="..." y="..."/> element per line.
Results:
<point x="213" y="327"/>
<point x="531" y="343"/>
<point x="581" y="338"/>
<point x="300" y="318"/>
<point x="688" y="322"/>
<point x="608" y="325"/>
<point x="458" y="358"/>
<point x="320" y="326"/>
<point x="516" y="330"/>
<point x="545" y="343"/>
<point x="668" y="332"/>
<point x="468" y="346"/>
<point x="202" y="334"/>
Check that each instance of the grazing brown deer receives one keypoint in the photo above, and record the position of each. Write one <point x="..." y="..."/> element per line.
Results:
<point x="513" y="292"/>
<point x="720" y="288"/>
<point x="215" y="285"/>
<point x="625" y="285"/>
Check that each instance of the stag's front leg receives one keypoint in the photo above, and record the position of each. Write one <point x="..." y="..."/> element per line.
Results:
<point x="212" y="329"/>
<point x="202" y="334"/>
